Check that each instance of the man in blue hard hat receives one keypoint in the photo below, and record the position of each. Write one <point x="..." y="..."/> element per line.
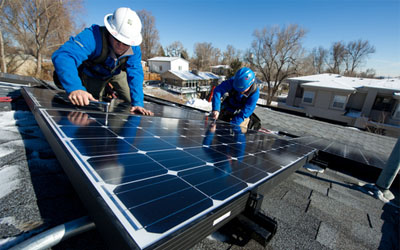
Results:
<point x="99" y="55"/>
<point x="241" y="101"/>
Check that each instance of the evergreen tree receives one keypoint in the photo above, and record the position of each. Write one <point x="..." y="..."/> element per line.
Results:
<point x="161" y="51"/>
<point x="235" y="65"/>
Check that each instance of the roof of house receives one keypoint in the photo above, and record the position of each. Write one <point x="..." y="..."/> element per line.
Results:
<point x="208" y="75"/>
<point x="165" y="59"/>
<point x="336" y="81"/>
<point x="187" y="75"/>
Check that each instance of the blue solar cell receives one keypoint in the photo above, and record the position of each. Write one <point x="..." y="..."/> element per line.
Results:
<point x="242" y="171"/>
<point x="207" y="154"/>
<point x="263" y="162"/>
<point x="215" y="183"/>
<point x="104" y="146"/>
<point x="87" y="132"/>
<point x="168" y="199"/>
<point x="180" y="141"/>
<point x="176" y="160"/>
<point x="119" y="169"/>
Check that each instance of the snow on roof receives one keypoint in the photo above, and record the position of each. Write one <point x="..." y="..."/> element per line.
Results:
<point x="165" y="59"/>
<point x="347" y="83"/>
<point x="187" y="75"/>
<point x="329" y="83"/>
<point x="208" y="75"/>
<point x="220" y="66"/>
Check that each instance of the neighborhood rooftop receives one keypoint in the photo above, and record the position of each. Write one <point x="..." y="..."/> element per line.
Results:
<point x="165" y="59"/>
<point x="347" y="83"/>
<point x="188" y="75"/>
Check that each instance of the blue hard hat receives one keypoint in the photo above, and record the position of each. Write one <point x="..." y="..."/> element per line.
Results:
<point x="243" y="79"/>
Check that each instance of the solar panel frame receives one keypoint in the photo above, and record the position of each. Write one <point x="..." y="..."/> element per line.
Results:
<point x="118" y="224"/>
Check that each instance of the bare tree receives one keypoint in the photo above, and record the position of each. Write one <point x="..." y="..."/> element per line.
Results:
<point x="2" y="54"/>
<point x="275" y="54"/>
<point x="230" y="54"/>
<point x="338" y="55"/>
<point x="38" y="26"/>
<point x="369" y="73"/>
<point x="205" y="55"/>
<point x="306" y="65"/>
<point x="357" y="52"/>
<point x="319" y="56"/>
<point x="150" y="45"/>
<point x="175" y="49"/>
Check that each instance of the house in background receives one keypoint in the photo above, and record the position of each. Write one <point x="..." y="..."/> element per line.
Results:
<point x="221" y="70"/>
<point x="160" y="65"/>
<point x="189" y="83"/>
<point x="363" y="103"/>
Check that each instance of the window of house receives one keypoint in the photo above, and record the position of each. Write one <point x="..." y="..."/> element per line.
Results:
<point x="308" y="96"/>
<point x="339" y="101"/>
<point x="384" y="103"/>
<point x="396" y="112"/>
<point x="160" y="67"/>
<point x="180" y="68"/>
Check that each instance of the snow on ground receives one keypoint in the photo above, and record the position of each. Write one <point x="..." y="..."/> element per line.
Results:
<point x="200" y="104"/>
<point x="166" y="95"/>
<point x="9" y="180"/>
<point x="10" y="122"/>
<point x="16" y="118"/>
<point x="7" y="149"/>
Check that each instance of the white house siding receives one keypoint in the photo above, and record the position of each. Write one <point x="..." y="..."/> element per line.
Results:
<point x="163" y="64"/>
<point x="322" y="99"/>
<point x="180" y="65"/>
<point x="159" y="67"/>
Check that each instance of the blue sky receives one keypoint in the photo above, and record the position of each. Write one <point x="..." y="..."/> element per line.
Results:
<point x="230" y="22"/>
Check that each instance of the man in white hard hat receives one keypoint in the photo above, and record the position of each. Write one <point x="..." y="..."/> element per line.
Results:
<point x="100" y="55"/>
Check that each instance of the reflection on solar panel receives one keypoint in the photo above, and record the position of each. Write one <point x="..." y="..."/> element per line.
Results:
<point x="160" y="182"/>
<point x="52" y="99"/>
<point x="344" y="150"/>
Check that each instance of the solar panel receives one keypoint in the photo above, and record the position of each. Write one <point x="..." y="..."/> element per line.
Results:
<point x="148" y="181"/>
<point x="344" y="150"/>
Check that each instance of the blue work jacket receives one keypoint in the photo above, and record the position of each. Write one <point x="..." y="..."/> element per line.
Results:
<point x="235" y="102"/>
<point x="88" y="45"/>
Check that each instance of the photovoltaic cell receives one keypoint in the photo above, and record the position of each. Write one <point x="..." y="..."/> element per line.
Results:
<point x="159" y="174"/>
<point x="343" y="150"/>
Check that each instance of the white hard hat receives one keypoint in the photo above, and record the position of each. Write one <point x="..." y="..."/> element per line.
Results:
<point x="125" y="26"/>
